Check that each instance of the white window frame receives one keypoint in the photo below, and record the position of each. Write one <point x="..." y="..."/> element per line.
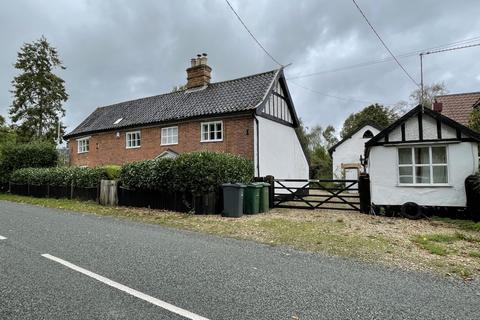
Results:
<point x="202" y="131"/>
<point x="165" y="135"/>
<point x="81" y="147"/>
<point x="128" y="136"/>
<point x="413" y="165"/>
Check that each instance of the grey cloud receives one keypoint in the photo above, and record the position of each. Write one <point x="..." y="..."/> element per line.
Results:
<point x="119" y="50"/>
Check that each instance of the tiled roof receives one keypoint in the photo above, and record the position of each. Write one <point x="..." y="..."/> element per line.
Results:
<point x="231" y="96"/>
<point x="459" y="106"/>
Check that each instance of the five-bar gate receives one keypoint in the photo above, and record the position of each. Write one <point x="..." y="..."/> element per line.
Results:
<point x="316" y="194"/>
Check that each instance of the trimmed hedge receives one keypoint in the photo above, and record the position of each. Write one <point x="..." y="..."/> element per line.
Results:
<point x="30" y="155"/>
<point x="60" y="176"/>
<point x="196" y="172"/>
<point x="112" y="171"/>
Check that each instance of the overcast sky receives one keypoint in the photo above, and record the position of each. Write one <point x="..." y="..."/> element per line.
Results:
<point x="121" y="50"/>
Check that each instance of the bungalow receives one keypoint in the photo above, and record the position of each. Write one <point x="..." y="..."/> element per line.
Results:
<point x="421" y="160"/>
<point x="347" y="152"/>
<point x="253" y="116"/>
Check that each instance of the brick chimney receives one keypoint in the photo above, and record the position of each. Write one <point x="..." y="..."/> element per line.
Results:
<point x="199" y="73"/>
<point x="437" y="106"/>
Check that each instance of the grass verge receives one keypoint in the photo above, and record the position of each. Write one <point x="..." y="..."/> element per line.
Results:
<point x="449" y="247"/>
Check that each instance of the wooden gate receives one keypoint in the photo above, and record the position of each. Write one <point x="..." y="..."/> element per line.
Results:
<point x="316" y="194"/>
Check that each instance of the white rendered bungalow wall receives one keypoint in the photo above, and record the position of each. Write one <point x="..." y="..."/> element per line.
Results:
<point x="279" y="151"/>
<point x="462" y="161"/>
<point x="349" y="152"/>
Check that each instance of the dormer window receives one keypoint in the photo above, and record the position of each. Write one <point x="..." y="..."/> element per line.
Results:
<point x="118" y="121"/>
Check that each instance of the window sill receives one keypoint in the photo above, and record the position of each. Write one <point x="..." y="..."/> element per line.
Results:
<point x="437" y="185"/>
<point x="206" y="141"/>
<point x="168" y="144"/>
<point x="83" y="152"/>
<point x="132" y="147"/>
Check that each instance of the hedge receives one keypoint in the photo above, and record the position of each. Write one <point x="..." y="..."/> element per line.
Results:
<point x="29" y="155"/>
<point x="196" y="172"/>
<point x="60" y="176"/>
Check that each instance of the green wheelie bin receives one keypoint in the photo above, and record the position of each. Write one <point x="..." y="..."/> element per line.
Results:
<point x="233" y="199"/>
<point x="252" y="198"/>
<point x="264" y="199"/>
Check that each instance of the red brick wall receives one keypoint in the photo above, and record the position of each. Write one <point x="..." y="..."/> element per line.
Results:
<point x="106" y="148"/>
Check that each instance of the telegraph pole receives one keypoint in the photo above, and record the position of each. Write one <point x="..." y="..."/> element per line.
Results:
<point x="422" y="93"/>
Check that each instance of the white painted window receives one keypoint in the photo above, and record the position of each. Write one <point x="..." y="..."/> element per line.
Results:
<point x="133" y="139"/>
<point x="211" y="131"/>
<point x="83" y="145"/>
<point x="169" y="135"/>
<point x="423" y="165"/>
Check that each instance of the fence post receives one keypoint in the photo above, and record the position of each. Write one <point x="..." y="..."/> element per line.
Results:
<point x="71" y="190"/>
<point x="364" y="192"/>
<point x="271" y="190"/>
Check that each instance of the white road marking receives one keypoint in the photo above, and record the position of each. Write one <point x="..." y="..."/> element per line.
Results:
<point x="2" y="238"/>
<point x="133" y="292"/>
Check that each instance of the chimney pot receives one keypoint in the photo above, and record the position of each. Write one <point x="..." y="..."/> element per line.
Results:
<point x="437" y="106"/>
<point x="199" y="73"/>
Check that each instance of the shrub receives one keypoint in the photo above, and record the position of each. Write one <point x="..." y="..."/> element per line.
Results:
<point x="112" y="171"/>
<point x="149" y="175"/>
<point x="203" y="172"/>
<point x="196" y="172"/>
<point x="62" y="176"/>
<point x="30" y="155"/>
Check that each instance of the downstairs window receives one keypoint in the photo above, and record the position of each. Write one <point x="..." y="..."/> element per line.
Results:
<point x="422" y="165"/>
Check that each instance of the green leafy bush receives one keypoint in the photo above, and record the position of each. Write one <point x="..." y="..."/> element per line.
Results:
<point x="30" y="155"/>
<point x="112" y="171"/>
<point x="61" y="176"/>
<point x="148" y="174"/>
<point x="196" y="172"/>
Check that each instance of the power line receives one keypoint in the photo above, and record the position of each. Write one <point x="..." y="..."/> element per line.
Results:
<point x="451" y="49"/>
<point x="252" y="35"/>
<point x="329" y="95"/>
<point x="382" y="60"/>
<point x="384" y="44"/>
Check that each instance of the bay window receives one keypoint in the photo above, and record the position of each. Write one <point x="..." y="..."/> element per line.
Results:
<point x="422" y="165"/>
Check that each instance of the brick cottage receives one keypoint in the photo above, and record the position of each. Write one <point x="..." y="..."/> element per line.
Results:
<point x="252" y="116"/>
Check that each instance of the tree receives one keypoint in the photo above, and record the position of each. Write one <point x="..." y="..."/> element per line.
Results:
<point x="474" y="121"/>
<point x="7" y="135"/>
<point x="302" y="135"/>
<point x="38" y="92"/>
<point x="179" y="88"/>
<point x="315" y="143"/>
<point x="430" y="92"/>
<point x="376" y="113"/>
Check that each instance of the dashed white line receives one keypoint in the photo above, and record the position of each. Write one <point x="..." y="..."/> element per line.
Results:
<point x="3" y="238"/>
<point x="133" y="292"/>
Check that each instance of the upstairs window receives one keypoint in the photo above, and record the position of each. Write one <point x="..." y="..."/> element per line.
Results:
<point x="423" y="165"/>
<point x="169" y="136"/>
<point x="83" y="145"/>
<point x="211" y="131"/>
<point x="367" y="134"/>
<point x="133" y="139"/>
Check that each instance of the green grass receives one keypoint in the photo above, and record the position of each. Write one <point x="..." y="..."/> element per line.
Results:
<point x="353" y="235"/>
<point x="462" y="224"/>
<point x="474" y="254"/>
<point x="426" y="244"/>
